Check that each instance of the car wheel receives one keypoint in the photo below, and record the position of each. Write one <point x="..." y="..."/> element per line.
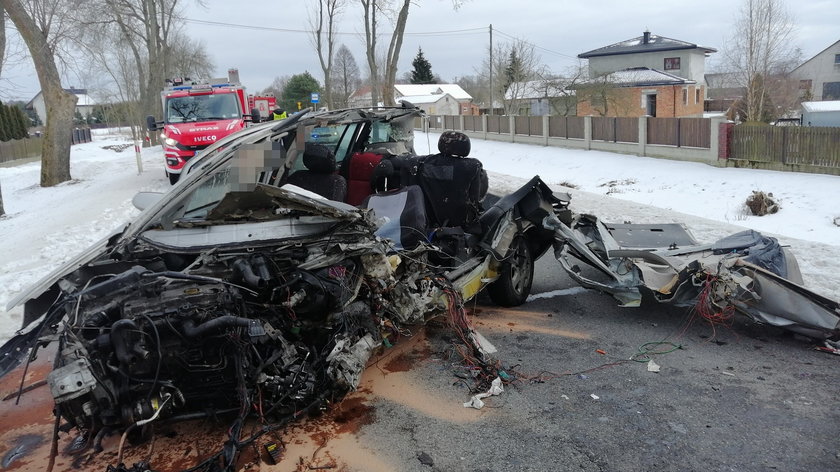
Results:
<point x="515" y="277"/>
<point x="173" y="178"/>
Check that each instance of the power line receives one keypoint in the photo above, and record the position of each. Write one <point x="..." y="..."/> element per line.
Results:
<point x="534" y="45"/>
<point x="458" y="32"/>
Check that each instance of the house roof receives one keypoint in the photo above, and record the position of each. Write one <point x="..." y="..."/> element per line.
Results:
<point x="455" y="90"/>
<point x="536" y="89"/>
<point x="424" y="99"/>
<point x="815" y="55"/>
<point x="83" y="99"/>
<point x="828" y="105"/>
<point x="645" y="43"/>
<point x="641" y="77"/>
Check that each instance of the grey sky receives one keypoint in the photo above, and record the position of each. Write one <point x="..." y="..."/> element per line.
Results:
<point x="560" y="30"/>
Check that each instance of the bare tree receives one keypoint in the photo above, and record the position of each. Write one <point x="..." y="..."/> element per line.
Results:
<point x="345" y="77"/>
<point x="516" y="64"/>
<point x="188" y="58"/>
<point x="33" y="23"/>
<point x="148" y="27"/>
<point x="393" y="55"/>
<point x="277" y="86"/>
<point x="2" y="46"/>
<point x="325" y="16"/>
<point x="370" y="15"/>
<point x="760" y="46"/>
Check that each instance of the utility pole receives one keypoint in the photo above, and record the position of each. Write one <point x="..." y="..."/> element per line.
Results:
<point x="491" y="68"/>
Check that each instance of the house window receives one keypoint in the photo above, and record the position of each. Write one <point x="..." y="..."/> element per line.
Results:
<point x="697" y="96"/>
<point x="685" y="96"/>
<point x="672" y="63"/>
<point x="831" y="91"/>
<point x="805" y="84"/>
<point x="837" y="58"/>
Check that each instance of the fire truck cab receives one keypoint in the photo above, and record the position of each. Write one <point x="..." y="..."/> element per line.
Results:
<point x="196" y="115"/>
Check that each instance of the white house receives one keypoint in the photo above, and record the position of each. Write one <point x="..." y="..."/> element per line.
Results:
<point x="540" y="97"/>
<point x="439" y="97"/>
<point x="84" y="103"/>
<point x="819" y="76"/>
<point x="435" y="104"/>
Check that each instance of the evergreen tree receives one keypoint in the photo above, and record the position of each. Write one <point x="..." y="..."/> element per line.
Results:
<point x="422" y="72"/>
<point x="513" y="70"/>
<point x="299" y="89"/>
<point x="21" y="121"/>
<point x="5" y="131"/>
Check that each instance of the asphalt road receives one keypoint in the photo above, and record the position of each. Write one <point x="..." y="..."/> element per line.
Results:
<point x="743" y="397"/>
<point x="734" y="398"/>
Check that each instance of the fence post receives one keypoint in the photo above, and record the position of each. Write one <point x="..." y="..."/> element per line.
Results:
<point x="461" y="123"/>
<point x="512" y="127"/>
<point x="718" y="146"/>
<point x="545" y="129"/>
<point x="484" y="125"/>
<point x="784" y="144"/>
<point x="587" y="131"/>
<point x="679" y="130"/>
<point x="643" y="123"/>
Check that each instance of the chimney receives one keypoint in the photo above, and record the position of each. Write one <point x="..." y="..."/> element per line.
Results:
<point x="646" y="36"/>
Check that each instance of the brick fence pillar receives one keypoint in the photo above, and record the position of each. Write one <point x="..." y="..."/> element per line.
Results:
<point x="724" y="139"/>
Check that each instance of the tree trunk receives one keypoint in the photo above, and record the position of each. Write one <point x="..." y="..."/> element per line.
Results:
<point x="394" y="55"/>
<point x="2" y="39"/>
<point x="370" y="43"/>
<point x="55" y="156"/>
<point x="2" y="56"/>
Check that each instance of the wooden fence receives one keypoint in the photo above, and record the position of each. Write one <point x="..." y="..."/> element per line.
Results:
<point x="20" y="149"/>
<point x="789" y="145"/>
<point x="682" y="132"/>
<point x="617" y="130"/>
<point x="31" y="147"/>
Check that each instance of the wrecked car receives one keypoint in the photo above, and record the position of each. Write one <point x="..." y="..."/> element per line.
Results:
<point x="745" y="272"/>
<point x="255" y="290"/>
<point x="239" y="295"/>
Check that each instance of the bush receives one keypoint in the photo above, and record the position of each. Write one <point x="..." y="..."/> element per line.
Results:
<point x="761" y="203"/>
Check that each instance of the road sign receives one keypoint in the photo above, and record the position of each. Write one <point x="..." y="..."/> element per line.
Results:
<point x="315" y="97"/>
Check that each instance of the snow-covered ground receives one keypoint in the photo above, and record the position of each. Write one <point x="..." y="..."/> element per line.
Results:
<point x="46" y="226"/>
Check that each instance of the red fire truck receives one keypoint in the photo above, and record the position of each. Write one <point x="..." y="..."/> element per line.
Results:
<point x="197" y="114"/>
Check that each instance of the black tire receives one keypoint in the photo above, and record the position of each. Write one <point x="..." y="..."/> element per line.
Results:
<point x="173" y="178"/>
<point x="515" y="277"/>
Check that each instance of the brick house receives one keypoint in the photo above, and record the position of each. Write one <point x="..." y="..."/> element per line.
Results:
<point x="640" y="91"/>
<point x="647" y="75"/>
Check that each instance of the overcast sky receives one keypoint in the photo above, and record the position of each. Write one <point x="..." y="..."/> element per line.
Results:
<point x="455" y="41"/>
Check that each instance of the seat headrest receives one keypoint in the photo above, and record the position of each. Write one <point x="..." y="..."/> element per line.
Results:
<point x="454" y="143"/>
<point x="319" y="158"/>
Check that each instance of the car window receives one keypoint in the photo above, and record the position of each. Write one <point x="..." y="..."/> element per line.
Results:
<point x="339" y="138"/>
<point x="207" y="195"/>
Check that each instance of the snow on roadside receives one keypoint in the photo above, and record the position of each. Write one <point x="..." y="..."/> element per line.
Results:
<point x="44" y="227"/>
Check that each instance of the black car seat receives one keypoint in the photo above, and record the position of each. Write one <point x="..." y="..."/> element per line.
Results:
<point x="320" y="176"/>
<point x="452" y="183"/>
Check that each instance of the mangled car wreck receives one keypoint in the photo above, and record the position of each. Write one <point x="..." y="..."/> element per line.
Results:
<point x="236" y="294"/>
<point x="244" y="294"/>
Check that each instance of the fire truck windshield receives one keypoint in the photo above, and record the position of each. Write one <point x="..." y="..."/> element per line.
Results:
<point x="202" y="108"/>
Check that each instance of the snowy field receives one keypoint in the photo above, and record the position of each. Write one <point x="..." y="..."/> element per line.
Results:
<point x="46" y="226"/>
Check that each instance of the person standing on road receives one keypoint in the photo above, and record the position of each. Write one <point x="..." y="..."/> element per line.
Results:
<point x="279" y="114"/>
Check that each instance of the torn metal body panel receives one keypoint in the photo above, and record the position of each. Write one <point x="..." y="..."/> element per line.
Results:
<point x="747" y="272"/>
